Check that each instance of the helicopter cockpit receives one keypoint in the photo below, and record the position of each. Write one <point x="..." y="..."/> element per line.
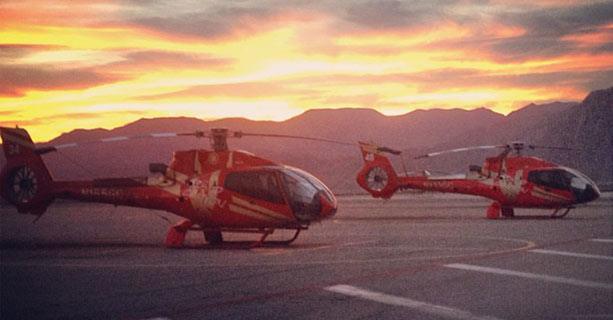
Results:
<point x="562" y="178"/>
<point x="308" y="197"/>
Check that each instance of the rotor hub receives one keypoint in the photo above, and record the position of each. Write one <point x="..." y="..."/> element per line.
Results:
<point x="517" y="146"/>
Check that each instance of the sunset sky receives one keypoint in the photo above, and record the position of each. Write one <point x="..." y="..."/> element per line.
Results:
<point x="88" y="64"/>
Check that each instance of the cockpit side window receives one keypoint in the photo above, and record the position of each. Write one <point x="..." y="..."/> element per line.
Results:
<point x="557" y="179"/>
<point x="256" y="184"/>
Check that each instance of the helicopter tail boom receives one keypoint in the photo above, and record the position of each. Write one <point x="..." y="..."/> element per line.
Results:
<point x="25" y="180"/>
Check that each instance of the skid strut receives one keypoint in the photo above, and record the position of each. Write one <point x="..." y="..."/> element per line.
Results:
<point x="268" y="232"/>
<point x="555" y="214"/>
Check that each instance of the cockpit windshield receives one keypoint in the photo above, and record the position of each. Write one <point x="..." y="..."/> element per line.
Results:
<point x="563" y="178"/>
<point x="558" y="179"/>
<point x="303" y="191"/>
<point x="305" y="184"/>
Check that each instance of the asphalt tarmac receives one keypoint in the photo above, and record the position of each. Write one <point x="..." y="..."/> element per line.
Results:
<point x="423" y="256"/>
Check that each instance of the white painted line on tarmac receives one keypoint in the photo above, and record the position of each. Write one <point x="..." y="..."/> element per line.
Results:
<point x="534" y="276"/>
<point x="572" y="254"/>
<point x="424" y="307"/>
<point x="591" y="316"/>
<point x="603" y="240"/>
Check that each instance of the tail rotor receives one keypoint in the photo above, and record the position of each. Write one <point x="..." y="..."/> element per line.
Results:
<point x="24" y="180"/>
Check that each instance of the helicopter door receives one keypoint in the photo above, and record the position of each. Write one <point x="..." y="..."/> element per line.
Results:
<point x="257" y="195"/>
<point x="260" y="185"/>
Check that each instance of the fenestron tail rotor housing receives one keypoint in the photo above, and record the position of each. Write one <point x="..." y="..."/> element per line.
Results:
<point x="377" y="179"/>
<point x="22" y="185"/>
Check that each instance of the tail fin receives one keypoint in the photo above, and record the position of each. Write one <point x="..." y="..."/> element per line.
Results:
<point x="24" y="180"/>
<point x="377" y="176"/>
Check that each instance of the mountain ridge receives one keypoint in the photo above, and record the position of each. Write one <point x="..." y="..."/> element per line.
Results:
<point x="582" y="125"/>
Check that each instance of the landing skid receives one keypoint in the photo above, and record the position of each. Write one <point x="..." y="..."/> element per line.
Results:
<point x="495" y="210"/>
<point x="556" y="215"/>
<point x="176" y="235"/>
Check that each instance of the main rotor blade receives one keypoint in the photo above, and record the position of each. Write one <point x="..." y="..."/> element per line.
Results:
<point x="531" y="146"/>
<point x="239" y="134"/>
<point x="434" y="154"/>
<point x="46" y="149"/>
<point x="389" y="150"/>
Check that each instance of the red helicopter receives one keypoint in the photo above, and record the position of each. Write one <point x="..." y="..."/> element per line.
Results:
<point x="214" y="191"/>
<point x="509" y="179"/>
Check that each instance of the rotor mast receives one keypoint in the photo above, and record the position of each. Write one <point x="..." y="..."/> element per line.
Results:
<point x="219" y="139"/>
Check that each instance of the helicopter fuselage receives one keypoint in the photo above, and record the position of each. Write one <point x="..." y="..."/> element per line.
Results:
<point x="514" y="182"/>
<point x="228" y="189"/>
<point x="214" y="191"/>
<point x="510" y="181"/>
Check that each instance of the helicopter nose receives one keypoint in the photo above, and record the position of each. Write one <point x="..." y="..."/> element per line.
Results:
<point x="328" y="208"/>
<point x="590" y="193"/>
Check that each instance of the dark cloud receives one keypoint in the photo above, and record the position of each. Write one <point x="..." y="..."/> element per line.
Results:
<point x="13" y="51"/>
<point x="585" y="80"/>
<point x="394" y="14"/>
<point x="161" y="59"/>
<point x="545" y="26"/>
<point x="595" y="80"/>
<point x="16" y="80"/>
<point x="229" y="18"/>
<point x="211" y="22"/>
<point x="234" y="90"/>
<point x="560" y="21"/>
<point x="531" y="46"/>
<point x="546" y="29"/>
<point x="604" y="48"/>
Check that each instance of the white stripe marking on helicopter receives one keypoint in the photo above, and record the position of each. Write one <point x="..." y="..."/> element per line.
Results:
<point x="419" y="306"/>
<point x="603" y="240"/>
<point x="249" y="213"/>
<point x="257" y="208"/>
<point x="538" y="192"/>
<point x="572" y="254"/>
<point x="230" y="162"/>
<point x="534" y="276"/>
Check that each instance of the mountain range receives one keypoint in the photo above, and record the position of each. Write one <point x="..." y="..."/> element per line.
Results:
<point x="585" y="127"/>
